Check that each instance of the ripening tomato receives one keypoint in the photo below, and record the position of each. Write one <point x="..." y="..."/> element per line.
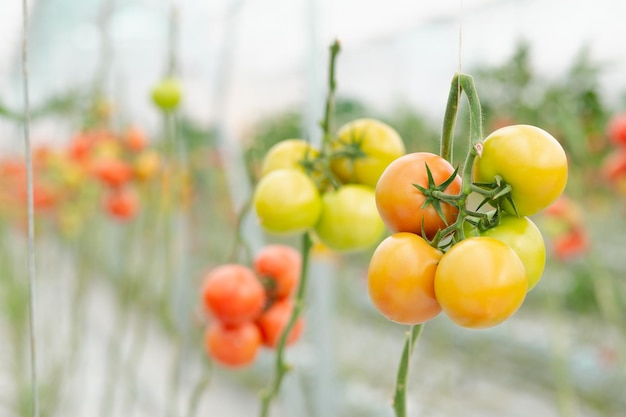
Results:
<point x="288" y="154"/>
<point x="273" y="322"/>
<point x="135" y="139"/>
<point x="530" y="160"/>
<point x="122" y="203"/>
<point x="400" y="203"/>
<point x="112" y="171"/>
<point x="480" y="282"/>
<point x="232" y="346"/>
<point x="616" y="129"/>
<point x="379" y="143"/>
<point x="524" y="237"/>
<point x="287" y="201"/>
<point x="167" y="94"/>
<point x="349" y="219"/>
<point x="233" y="294"/>
<point x="147" y="164"/>
<point x="401" y="279"/>
<point x="571" y="245"/>
<point x="280" y="264"/>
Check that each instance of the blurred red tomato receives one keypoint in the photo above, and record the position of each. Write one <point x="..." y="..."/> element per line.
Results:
<point x="232" y="346"/>
<point x="122" y="204"/>
<point x="273" y="322"/>
<point x="280" y="265"/>
<point x="616" y="129"/>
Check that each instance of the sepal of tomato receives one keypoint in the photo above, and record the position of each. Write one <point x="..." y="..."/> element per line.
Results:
<point x="288" y="154"/>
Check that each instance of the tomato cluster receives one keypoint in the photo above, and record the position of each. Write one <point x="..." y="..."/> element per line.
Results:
<point x="475" y="265"/>
<point x="329" y="191"/>
<point x="250" y="307"/>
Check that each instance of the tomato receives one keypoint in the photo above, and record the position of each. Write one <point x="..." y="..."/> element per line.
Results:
<point x="122" y="203"/>
<point x="135" y="139"/>
<point x="616" y="129"/>
<point x="401" y="277"/>
<point x="524" y="237"/>
<point x="349" y="220"/>
<point x="232" y="346"/>
<point x="147" y="164"/>
<point x="571" y="245"/>
<point x="287" y="201"/>
<point x="287" y="154"/>
<point x="113" y="172"/>
<point x="400" y="203"/>
<point x="274" y="321"/>
<point x="233" y="294"/>
<point x="480" y="282"/>
<point x="379" y="143"/>
<point x="167" y="94"/>
<point x="614" y="170"/>
<point x="281" y="265"/>
<point x="530" y="160"/>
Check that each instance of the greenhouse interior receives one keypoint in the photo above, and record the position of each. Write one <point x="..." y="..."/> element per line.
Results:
<point x="317" y="208"/>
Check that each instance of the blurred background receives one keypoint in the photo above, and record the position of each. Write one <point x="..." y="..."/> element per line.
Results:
<point x="119" y="267"/>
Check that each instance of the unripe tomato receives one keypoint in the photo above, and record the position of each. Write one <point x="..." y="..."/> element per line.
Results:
<point x="232" y="346"/>
<point x="400" y="203"/>
<point x="524" y="237"/>
<point x="122" y="203"/>
<point x="274" y="321"/>
<point x="480" y="282"/>
<point x="287" y="201"/>
<point x="530" y="160"/>
<point x="281" y="264"/>
<point x="380" y="144"/>
<point x="167" y="94"/>
<point x="349" y="219"/>
<point x="401" y="279"/>
<point x="616" y="129"/>
<point x="287" y="154"/>
<point x="233" y="294"/>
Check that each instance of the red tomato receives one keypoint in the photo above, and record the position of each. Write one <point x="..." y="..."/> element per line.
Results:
<point x="616" y="129"/>
<point x="273" y="322"/>
<point x="281" y="265"/>
<point x="232" y="346"/>
<point x="135" y="139"/>
<point x="233" y="294"/>
<point x="571" y="245"/>
<point x="400" y="203"/>
<point x="122" y="204"/>
<point x="113" y="172"/>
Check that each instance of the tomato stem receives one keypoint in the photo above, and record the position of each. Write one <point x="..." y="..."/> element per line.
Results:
<point x="449" y="120"/>
<point x="399" y="398"/>
<point x="326" y="123"/>
<point x="281" y="366"/>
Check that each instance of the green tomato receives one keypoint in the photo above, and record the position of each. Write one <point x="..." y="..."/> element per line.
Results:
<point x="287" y="201"/>
<point x="379" y="143"/>
<point x="287" y="154"/>
<point x="166" y="94"/>
<point x="524" y="237"/>
<point x="530" y="160"/>
<point x="349" y="219"/>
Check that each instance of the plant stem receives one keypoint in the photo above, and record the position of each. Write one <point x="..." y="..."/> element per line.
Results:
<point x="399" y="398"/>
<point x="326" y="123"/>
<point x="449" y="120"/>
<point x="281" y="367"/>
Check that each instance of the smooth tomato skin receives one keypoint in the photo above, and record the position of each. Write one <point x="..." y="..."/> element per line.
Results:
<point x="480" y="282"/>
<point x="167" y="94"/>
<point x="616" y="129"/>
<point x="274" y="320"/>
<point x="380" y="143"/>
<point x="400" y="203"/>
<point x="233" y="294"/>
<point x="525" y="238"/>
<point x="232" y="346"/>
<point x="401" y="278"/>
<point x="287" y="201"/>
<point x="530" y="160"/>
<point x="287" y="154"/>
<point x="281" y="264"/>
<point x="349" y="219"/>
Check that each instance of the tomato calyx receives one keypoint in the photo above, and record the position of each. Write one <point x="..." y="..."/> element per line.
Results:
<point x="435" y="194"/>
<point x="495" y="193"/>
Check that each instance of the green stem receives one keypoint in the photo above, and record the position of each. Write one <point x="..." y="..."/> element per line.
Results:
<point x="476" y="130"/>
<point x="449" y="119"/>
<point x="399" y="398"/>
<point x="282" y="367"/>
<point x="326" y="123"/>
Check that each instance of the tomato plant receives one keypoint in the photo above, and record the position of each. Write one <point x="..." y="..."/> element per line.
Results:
<point x="403" y="207"/>
<point x="480" y="282"/>
<point x="232" y="346"/>
<point x="528" y="159"/>
<point x="349" y="220"/>
<point x="233" y="294"/>
<point x="401" y="278"/>
<point x="287" y="201"/>
<point x="280" y="265"/>
<point x="273" y="322"/>
<point x="363" y="149"/>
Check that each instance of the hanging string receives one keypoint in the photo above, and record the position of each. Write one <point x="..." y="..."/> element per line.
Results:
<point x="30" y="213"/>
